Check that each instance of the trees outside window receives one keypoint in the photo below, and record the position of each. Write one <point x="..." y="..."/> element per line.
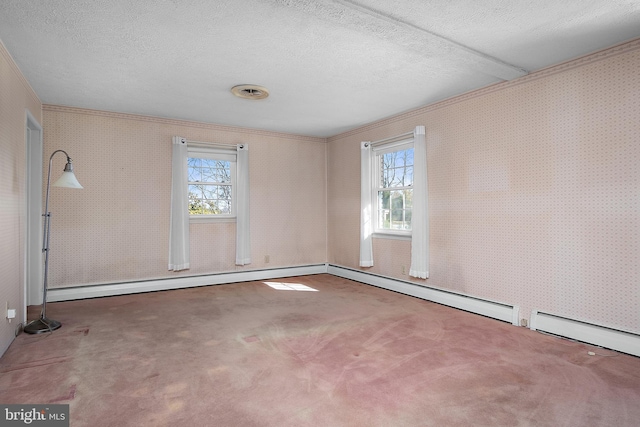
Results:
<point x="394" y="188"/>
<point x="211" y="184"/>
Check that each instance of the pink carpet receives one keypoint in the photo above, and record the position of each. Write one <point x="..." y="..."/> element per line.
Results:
<point x="348" y="354"/>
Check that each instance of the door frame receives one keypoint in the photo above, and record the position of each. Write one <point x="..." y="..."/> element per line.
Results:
<point x="33" y="189"/>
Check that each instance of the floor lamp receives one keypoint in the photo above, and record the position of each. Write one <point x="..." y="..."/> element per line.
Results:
<point x="67" y="180"/>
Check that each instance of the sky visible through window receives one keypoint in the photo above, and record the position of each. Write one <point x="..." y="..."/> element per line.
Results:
<point x="395" y="192"/>
<point x="210" y="186"/>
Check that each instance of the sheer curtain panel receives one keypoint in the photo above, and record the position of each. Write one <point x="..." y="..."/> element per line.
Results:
<point x="243" y="235"/>
<point x="179" y="223"/>
<point x="420" y="215"/>
<point x="366" y="209"/>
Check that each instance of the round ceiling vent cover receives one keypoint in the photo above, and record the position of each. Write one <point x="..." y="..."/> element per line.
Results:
<point x="250" y="91"/>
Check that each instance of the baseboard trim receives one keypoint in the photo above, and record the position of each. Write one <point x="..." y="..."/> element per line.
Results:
<point x="113" y="289"/>
<point x="500" y="311"/>
<point x="613" y="339"/>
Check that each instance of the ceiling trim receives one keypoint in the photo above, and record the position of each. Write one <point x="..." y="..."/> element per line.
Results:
<point x="625" y="47"/>
<point x="178" y="122"/>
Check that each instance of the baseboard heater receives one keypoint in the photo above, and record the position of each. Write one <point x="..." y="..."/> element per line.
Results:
<point x="505" y="312"/>
<point x="613" y="339"/>
<point x="113" y="289"/>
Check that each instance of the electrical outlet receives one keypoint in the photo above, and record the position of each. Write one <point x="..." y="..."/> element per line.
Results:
<point x="10" y="312"/>
<point x="266" y="259"/>
<point x="404" y="269"/>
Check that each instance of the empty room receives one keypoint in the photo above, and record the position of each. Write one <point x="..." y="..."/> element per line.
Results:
<point x="320" y="213"/>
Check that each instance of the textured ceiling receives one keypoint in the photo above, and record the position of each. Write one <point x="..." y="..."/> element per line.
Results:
<point x="330" y="65"/>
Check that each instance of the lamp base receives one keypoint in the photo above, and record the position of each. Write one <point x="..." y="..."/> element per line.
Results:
<point x="41" y="326"/>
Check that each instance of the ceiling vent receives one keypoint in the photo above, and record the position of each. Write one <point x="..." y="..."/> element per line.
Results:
<point x="250" y="91"/>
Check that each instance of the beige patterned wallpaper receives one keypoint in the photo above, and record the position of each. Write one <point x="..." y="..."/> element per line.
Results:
<point x="534" y="191"/>
<point x="117" y="228"/>
<point x="16" y="97"/>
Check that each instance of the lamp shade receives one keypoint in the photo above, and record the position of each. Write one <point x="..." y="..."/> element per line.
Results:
<point x="67" y="180"/>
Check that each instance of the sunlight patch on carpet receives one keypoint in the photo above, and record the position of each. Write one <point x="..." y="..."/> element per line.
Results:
<point x="290" y="286"/>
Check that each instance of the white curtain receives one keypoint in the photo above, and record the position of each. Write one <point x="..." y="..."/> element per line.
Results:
<point x="179" y="223"/>
<point x="243" y="235"/>
<point x="420" y="213"/>
<point x="366" y="209"/>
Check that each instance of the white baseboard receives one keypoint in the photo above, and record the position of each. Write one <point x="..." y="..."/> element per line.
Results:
<point x="112" y="289"/>
<point x="505" y="312"/>
<point x="586" y="332"/>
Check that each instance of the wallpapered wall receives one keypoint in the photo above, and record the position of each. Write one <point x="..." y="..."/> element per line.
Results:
<point x="16" y="96"/>
<point x="534" y="191"/>
<point x="117" y="228"/>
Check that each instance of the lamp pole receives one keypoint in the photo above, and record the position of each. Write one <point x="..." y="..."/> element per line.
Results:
<point x="67" y="180"/>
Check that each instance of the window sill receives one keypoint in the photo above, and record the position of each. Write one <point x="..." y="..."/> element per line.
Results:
<point x="393" y="236"/>
<point x="210" y="220"/>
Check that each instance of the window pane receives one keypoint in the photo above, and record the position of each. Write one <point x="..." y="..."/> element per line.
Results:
<point x="196" y="206"/>
<point x="396" y="169"/>
<point x="400" y="177"/>
<point x="223" y="174"/>
<point x="394" y="177"/>
<point x="210" y="192"/>
<point x="408" y="176"/>
<point x="407" y="219"/>
<point x="388" y="160"/>
<point x="383" y="219"/>
<point x="394" y="209"/>
<point x="207" y="208"/>
<point x="394" y="200"/>
<point x="224" y="192"/>
<point x="206" y="175"/>
<point x="408" y="157"/>
<point x="223" y="206"/>
<point x="208" y="163"/>
<point x="397" y="205"/>
<point x="383" y="199"/>
<point x="194" y="175"/>
<point x="387" y="178"/>
<point x="196" y="190"/>
<point x="408" y="198"/>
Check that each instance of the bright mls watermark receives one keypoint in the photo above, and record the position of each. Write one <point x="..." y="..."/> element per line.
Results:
<point x="34" y="415"/>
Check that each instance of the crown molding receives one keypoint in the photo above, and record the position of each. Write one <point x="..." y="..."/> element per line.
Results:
<point x="177" y="122"/>
<point x="591" y="58"/>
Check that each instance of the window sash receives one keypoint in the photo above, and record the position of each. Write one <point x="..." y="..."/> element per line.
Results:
<point x="222" y="192"/>
<point x="391" y="217"/>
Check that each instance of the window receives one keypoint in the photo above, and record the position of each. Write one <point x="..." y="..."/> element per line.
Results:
<point x="393" y="187"/>
<point x="211" y="183"/>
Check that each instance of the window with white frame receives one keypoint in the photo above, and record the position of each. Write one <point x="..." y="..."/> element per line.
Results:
<point x="393" y="187"/>
<point x="211" y="183"/>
